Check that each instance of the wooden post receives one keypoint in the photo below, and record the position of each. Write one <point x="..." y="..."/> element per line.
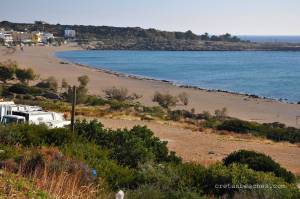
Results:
<point x="73" y="110"/>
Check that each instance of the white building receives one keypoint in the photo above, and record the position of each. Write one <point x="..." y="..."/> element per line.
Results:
<point x="6" y="36"/>
<point x="45" y="36"/>
<point x="70" y="33"/>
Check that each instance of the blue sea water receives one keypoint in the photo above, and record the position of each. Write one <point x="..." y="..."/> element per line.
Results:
<point x="270" y="74"/>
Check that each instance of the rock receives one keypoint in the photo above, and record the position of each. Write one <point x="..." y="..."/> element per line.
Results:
<point x="147" y="117"/>
<point x="120" y="195"/>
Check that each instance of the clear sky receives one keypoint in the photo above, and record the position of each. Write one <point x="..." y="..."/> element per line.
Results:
<point x="240" y="17"/>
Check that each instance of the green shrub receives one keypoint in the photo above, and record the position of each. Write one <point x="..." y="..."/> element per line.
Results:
<point x="259" y="162"/>
<point x="36" y="135"/>
<point x="7" y="70"/>
<point x="236" y="175"/>
<point x="25" y="75"/>
<point x="7" y="152"/>
<point x="118" y="105"/>
<point x="95" y="101"/>
<point x="165" y="100"/>
<point x="129" y="148"/>
<point x="19" y="89"/>
<point x="273" y="131"/>
<point x="155" y="111"/>
<point x="238" y="126"/>
<point x="49" y="83"/>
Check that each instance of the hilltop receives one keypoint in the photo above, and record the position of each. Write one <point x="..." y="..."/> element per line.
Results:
<point x="136" y="38"/>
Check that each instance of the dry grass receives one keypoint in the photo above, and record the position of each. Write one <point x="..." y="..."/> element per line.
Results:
<point x="60" y="182"/>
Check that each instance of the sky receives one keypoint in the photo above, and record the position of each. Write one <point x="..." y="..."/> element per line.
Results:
<point x="238" y="17"/>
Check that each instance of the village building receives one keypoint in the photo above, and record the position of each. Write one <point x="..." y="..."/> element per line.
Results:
<point x="36" y="37"/>
<point x="70" y="33"/>
<point x="6" y="36"/>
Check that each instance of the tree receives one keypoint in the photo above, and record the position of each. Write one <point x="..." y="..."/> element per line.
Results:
<point x="204" y="37"/>
<point x="184" y="98"/>
<point x="221" y="114"/>
<point x="25" y="75"/>
<point x="165" y="100"/>
<point x="120" y="94"/>
<point x="7" y="70"/>
<point x="64" y="84"/>
<point x="83" y="80"/>
<point x="114" y="93"/>
<point x="81" y="90"/>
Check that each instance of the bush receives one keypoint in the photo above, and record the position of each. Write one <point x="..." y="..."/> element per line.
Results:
<point x="221" y="114"/>
<point x="49" y="83"/>
<point x="129" y="148"/>
<point x="236" y="175"/>
<point x="259" y="162"/>
<point x="25" y="75"/>
<point x="184" y="98"/>
<point x="273" y="131"/>
<point x="116" y="105"/>
<point x="83" y="80"/>
<point x="114" y="93"/>
<point x="95" y="101"/>
<point x="155" y="111"/>
<point x="7" y="70"/>
<point x="33" y="135"/>
<point x="238" y="126"/>
<point x="120" y="94"/>
<point x="19" y="89"/>
<point x="165" y="100"/>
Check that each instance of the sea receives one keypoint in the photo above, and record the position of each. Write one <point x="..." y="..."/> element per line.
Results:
<point x="274" y="75"/>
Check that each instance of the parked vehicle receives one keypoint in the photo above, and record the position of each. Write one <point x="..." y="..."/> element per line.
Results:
<point x="12" y="113"/>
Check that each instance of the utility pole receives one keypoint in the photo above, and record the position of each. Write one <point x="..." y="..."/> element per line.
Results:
<point x="73" y="110"/>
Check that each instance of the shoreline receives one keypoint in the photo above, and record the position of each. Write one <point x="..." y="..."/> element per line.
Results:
<point x="173" y="83"/>
<point x="245" y="107"/>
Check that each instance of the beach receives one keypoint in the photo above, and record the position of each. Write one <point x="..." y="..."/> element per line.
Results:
<point x="44" y="62"/>
<point x="202" y="147"/>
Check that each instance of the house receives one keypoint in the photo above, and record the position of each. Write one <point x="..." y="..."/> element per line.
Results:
<point x="46" y="36"/>
<point x="70" y="33"/>
<point x="21" y="37"/>
<point x="6" y="36"/>
<point x="36" y="37"/>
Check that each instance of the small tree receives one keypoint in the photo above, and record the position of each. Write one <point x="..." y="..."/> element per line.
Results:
<point x="64" y="84"/>
<point x="184" y="98"/>
<point x="165" y="100"/>
<point x="7" y="70"/>
<point x="206" y="115"/>
<point x="221" y="114"/>
<point x="25" y="75"/>
<point x="83" y="80"/>
<point x="114" y="93"/>
<point x="81" y="90"/>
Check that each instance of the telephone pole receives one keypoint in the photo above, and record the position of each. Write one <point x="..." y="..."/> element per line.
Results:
<point x="73" y="110"/>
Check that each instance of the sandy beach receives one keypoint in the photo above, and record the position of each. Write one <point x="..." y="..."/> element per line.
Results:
<point x="43" y="61"/>
<point x="202" y="147"/>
